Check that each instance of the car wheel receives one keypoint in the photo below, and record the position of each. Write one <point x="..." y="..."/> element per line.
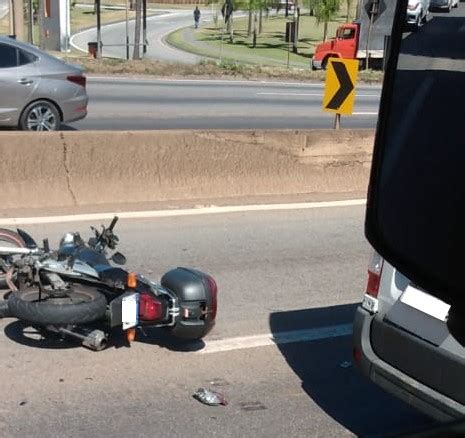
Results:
<point x="40" y="116"/>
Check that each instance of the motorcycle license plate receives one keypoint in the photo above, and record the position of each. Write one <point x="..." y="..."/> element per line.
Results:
<point x="129" y="311"/>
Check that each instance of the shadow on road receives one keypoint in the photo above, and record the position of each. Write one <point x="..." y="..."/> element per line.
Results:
<point x="162" y="338"/>
<point x="24" y="334"/>
<point x="333" y="383"/>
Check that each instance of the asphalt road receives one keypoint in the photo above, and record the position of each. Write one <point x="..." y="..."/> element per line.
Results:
<point x="277" y="271"/>
<point x="158" y="27"/>
<point x="122" y="104"/>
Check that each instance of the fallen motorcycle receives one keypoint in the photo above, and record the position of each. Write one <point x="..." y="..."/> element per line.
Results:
<point x="73" y="290"/>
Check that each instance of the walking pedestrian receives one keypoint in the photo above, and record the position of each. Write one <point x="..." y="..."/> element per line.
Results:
<point x="196" y="17"/>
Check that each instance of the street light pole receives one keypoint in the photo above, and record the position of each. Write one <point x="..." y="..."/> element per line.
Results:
<point x="99" y="31"/>
<point x="127" y="30"/>
<point x="144" y="25"/>
<point x="30" y="24"/>
<point x="11" y="17"/>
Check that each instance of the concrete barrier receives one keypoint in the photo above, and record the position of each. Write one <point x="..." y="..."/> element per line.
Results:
<point x="93" y="168"/>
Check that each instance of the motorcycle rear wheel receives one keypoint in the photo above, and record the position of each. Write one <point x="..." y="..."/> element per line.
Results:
<point x="14" y="240"/>
<point x="80" y="305"/>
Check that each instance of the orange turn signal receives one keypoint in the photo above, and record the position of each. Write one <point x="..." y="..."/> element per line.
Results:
<point x="131" y="334"/>
<point x="132" y="280"/>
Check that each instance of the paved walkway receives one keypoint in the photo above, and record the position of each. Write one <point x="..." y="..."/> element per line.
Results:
<point x="158" y="27"/>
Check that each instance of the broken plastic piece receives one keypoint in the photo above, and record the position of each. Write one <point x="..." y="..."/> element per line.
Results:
<point x="210" y="398"/>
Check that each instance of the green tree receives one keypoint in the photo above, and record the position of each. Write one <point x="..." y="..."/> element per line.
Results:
<point x="325" y="11"/>
<point x="310" y="4"/>
<point x="349" y="9"/>
<point x="254" y="7"/>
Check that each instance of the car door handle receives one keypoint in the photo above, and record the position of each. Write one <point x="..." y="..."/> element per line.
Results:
<point x="25" y="81"/>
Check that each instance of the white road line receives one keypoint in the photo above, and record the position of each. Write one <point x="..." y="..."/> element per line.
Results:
<point x="213" y="81"/>
<point x="216" y="81"/>
<point x="264" y="340"/>
<point x="181" y="212"/>
<point x="290" y="94"/>
<point x="309" y="94"/>
<point x="367" y="113"/>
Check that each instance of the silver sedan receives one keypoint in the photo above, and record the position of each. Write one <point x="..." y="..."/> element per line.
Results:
<point x="38" y="91"/>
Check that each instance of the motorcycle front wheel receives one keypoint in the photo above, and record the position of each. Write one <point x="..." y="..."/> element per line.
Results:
<point x="79" y="304"/>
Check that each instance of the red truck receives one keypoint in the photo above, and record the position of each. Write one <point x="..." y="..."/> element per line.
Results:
<point x="368" y="35"/>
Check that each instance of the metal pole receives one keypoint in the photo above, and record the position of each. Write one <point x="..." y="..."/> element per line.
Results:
<point x="67" y="6"/>
<point x="127" y="30"/>
<point x="373" y="12"/>
<point x="30" y="24"/>
<point x="289" y="39"/>
<point x="12" y="18"/>
<point x="221" y="46"/>
<point x="337" y="121"/>
<point x="144" y="25"/>
<point x="295" y="28"/>
<point x="99" y="31"/>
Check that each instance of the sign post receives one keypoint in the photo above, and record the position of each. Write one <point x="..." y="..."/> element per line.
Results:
<point x="340" y="82"/>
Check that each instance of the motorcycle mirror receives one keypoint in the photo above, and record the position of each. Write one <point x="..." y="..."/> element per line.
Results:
<point x="118" y="258"/>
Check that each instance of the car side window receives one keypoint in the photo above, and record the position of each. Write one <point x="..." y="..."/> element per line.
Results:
<point x="25" y="57"/>
<point x="8" y="56"/>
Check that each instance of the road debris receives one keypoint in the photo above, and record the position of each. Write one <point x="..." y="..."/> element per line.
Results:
<point x="345" y="364"/>
<point x="210" y="398"/>
<point x="253" y="406"/>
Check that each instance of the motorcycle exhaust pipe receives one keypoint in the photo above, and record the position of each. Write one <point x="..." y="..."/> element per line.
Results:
<point x="95" y="340"/>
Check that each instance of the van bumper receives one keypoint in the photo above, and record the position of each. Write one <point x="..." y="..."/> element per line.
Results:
<point x="414" y="393"/>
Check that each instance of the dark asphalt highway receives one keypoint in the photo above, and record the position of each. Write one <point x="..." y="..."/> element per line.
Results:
<point x="277" y="271"/>
<point x="126" y="104"/>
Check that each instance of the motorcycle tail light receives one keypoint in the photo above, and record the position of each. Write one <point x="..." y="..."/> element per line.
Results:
<point x="150" y="309"/>
<point x="214" y="296"/>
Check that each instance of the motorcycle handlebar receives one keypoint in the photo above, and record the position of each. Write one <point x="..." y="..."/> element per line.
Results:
<point x="113" y="223"/>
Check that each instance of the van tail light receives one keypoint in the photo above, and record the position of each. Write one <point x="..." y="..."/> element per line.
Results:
<point x="79" y="80"/>
<point x="150" y="309"/>
<point x="375" y="268"/>
<point x="213" y="287"/>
